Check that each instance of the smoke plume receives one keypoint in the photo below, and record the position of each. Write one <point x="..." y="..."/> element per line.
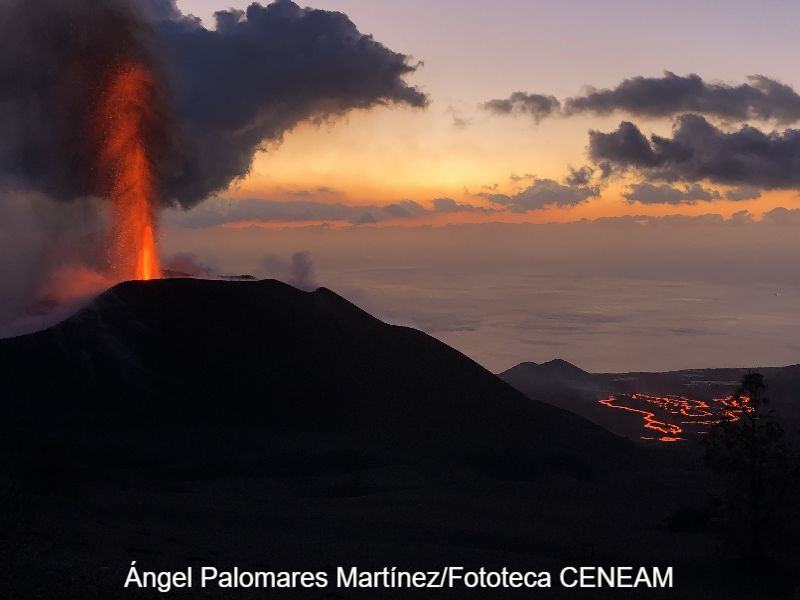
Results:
<point x="299" y="271"/>
<point x="205" y="102"/>
<point x="254" y="77"/>
<point x="56" y="57"/>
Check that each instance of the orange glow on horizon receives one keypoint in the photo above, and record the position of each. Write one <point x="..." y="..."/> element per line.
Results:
<point x="392" y="155"/>
<point x="604" y="207"/>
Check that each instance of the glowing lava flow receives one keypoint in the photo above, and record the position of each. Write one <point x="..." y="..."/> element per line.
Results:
<point x="127" y="119"/>
<point x="668" y="430"/>
<point x="669" y="416"/>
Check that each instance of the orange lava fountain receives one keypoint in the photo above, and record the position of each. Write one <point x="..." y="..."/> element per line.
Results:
<point x="127" y="117"/>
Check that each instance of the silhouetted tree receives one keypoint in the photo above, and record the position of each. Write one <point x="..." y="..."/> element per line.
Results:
<point x="749" y="452"/>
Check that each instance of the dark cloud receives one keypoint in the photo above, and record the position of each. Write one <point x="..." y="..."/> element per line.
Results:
<point x="744" y="192"/>
<point x="366" y="219"/>
<point x="700" y="151"/>
<point x="257" y="75"/>
<point x="782" y="216"/>
<point x="626" y="147"/>
<point x="760" y="98"/>
<point x="606" y="170"/>
<point x="578" y="177"/>
<point x="448" y="205"/>
<point x="163" y="9"/>
<point x="260" y="73"/>
<point x="536" y="106"/>
<point x="56" y="58"/>
<point x="544" y="193"/>
<point x="405" y="209"/>
<point x="742" y="217"/>
<point x="647" y="193"/>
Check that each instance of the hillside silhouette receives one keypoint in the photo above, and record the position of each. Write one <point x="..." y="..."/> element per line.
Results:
<point x="228" y="423"/>
<point x="189" y="354"/>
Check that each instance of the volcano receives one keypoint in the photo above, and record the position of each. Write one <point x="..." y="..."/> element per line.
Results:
<point x="188" y="354"/>
<point x="191" y="423"/>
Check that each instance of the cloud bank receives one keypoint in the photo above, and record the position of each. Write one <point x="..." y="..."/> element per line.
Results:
<point x="221" y="211"/>
<point x="761" y="98"/>
<point x="646" y="193"/>
<point x="545" y="193"/>
<point x="700" y="151"/>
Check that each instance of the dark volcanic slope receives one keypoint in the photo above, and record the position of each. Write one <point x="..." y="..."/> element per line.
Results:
<point x="191" y="354"/>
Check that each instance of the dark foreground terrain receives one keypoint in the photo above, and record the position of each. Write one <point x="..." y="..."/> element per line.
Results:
<point x="189" y="423"/>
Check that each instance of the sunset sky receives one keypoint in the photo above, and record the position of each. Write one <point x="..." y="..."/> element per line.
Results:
<point x="613" y="183"/>
<point x="707" y="280"/>
<point x="475" y="52"/>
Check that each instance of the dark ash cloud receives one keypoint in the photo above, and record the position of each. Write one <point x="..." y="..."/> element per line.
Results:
<point x="230" y="90"/>
<point x="260" y="73"/>
<point x="544" y="193"/>
<point x="56" y="58"/>
<point x="647" y="193"/>
<point x="700" y="151"/>
<point x="536" y="106"/>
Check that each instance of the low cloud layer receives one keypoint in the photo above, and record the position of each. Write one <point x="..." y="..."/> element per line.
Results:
<point x="699" y="151"/>
<point x="761" y="98"/>
<point x="221" y="211"/>
<point x="647" y="193"/>
<point x="544" y="193"/>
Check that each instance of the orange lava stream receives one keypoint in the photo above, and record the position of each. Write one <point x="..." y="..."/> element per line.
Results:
<point x="691" y="412"/>
<point x="126" y="114"/>
<point x="650" y="421"/>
